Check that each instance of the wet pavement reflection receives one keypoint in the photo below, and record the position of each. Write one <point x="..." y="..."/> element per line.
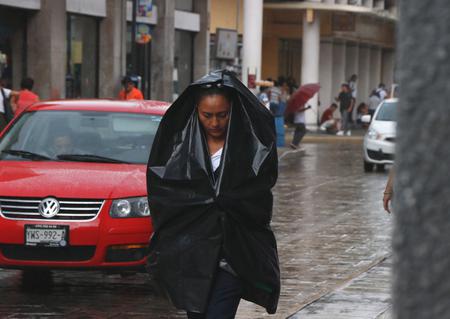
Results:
<point x="328" y="220"/>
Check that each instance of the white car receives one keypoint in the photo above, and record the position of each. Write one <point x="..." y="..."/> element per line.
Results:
<point x="379" y="141"/>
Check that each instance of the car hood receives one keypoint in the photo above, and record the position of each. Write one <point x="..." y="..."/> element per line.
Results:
<point x="384" y="127"/>
<point x="71" y="180"/>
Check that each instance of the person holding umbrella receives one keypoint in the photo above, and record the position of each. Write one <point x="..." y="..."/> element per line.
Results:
<point x="210" y="173"/>
<point x="297" y="106"/>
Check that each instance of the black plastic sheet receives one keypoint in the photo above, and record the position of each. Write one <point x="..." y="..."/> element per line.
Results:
<point x="198" y="218"/>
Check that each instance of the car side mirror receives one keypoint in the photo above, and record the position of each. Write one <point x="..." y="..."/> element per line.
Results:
<point x="366" y="118"/>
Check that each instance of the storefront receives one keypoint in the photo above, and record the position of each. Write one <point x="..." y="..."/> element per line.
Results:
<point x="13" y="23"/>
<point x="82" y="56"/>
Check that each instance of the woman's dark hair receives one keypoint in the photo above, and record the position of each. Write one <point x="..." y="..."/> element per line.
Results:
<point x="27" y="84"/>
<point x="213" y="89"/>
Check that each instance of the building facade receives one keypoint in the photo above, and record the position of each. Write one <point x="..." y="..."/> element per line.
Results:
<point x="315" y="41"/>
<point x="82" y="48"/>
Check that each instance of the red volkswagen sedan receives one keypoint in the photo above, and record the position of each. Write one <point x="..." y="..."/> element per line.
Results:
<point x="73" y="185"/>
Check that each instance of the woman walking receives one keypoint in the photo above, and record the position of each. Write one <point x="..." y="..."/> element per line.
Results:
<point x="210" y="174"/>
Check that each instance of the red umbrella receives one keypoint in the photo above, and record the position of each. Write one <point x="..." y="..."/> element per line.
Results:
<point x="301" y="96"/>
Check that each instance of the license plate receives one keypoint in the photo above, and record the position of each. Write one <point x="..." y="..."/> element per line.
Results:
<point x="46" y="235"/>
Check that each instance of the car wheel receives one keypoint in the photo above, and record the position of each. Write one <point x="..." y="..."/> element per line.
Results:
<point x="380" y="168"/>
<point x="37" y="280"/>
<point x="368" y="167"/>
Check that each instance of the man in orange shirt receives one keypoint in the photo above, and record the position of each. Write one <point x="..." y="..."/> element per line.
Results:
<point x="130" y="92"/>
<point x="26" y="96"/>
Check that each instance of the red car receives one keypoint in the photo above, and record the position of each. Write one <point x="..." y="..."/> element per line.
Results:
<point x="73" y="185"/>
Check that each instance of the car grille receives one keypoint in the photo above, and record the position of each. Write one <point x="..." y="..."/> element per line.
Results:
<point x="73" y="253"/>
<point x="380" y="156"/>
<point x="390" y="139"/>
<point x="70" y="209"/>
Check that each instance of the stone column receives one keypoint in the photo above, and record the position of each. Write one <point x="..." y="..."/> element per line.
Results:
<point x="388" y="65"/>
<point x="17" y="48"/>
<point x="364" y="75"/>
<point x="201" y="40"/>
<point x="326" y="94"/>
<point x="339" y="63"/>
<point x="47" y="49"/>
<point x="422" y="225"/>
<point x="310" y="62"/>
<point x="112" y="48"/>
<point x="163" y="51"/>
<point x="375" y="68"/>
<point x="252" y="39"/>
<point x="352" y="63"/>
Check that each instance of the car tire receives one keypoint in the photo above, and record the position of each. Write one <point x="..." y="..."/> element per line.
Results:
<point x="380" y="168"/>
<point x="368" y="167"/>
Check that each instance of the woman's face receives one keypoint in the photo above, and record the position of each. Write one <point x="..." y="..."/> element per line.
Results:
<point x="214" y="115"/>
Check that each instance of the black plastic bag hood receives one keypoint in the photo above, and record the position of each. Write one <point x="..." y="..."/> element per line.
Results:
<point x="200" y="217"/>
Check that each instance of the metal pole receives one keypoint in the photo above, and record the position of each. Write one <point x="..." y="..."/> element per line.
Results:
<point x="133" y="38"/>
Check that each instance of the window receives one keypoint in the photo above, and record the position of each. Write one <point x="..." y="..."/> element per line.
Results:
<point x="82" y="57"/>
<point x="117" y="136"/>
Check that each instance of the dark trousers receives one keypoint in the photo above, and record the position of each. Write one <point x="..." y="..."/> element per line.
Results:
<point x="300" y="131"/>
<point x="3" y="121"/>
<point x="224" y="300"/>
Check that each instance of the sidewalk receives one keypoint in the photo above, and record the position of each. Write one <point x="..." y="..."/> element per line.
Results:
<point x="321" y="137"/>
<point x="366" y="296"/>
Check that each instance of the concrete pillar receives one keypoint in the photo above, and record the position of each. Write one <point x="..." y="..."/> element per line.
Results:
<point x="112" y="48"/>
<point x="388" y="66"/>
<point x="163" y="47"/>
<point x="310" y="61"/>
<point x="252" y="39"/>
<point x="422" y="226"/>
<point x="326" y="94"/>
<point x="47" y="49"/>
<point x="375" y="68"/>
<point x="352" y="61"/>
<point x="352" y="66"/>
<point x="339" y="62"/>
<point x="201" y="40"/>
<point x="17" y="48"/>
<point x="364" y="75"/>
<point x="341" y="1"/>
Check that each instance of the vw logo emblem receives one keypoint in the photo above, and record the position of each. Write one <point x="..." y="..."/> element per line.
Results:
<point x="49" y="207"/>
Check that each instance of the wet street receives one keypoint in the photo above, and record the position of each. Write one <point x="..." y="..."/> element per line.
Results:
<point x="333" y="240"/>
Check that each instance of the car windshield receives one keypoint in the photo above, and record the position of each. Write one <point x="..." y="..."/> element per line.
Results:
<point x="82" y="136"/>
<point x="387" y="112"/>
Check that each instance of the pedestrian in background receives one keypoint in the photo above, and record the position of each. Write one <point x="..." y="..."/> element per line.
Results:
<point x="352" y="85"/>
<point x="26" y="95"/>
<point x="263" y="95"/>
<point x="300" y="127"/>
<point x="210" y="173"/>
<point x="381" y="90"/>
<point x="327" y="122"/>
<point x="374" y="101"/>
<point x="8" y="100"/>
<point x="346" y="104"/>
<point x="361" y="110"/>
<point x="278" y="98"/>
<point x="130" y="91"/>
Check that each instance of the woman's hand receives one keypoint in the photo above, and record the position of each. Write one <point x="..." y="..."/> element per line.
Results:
<point x="388" y="192"/>
<point x="387" y="197"/>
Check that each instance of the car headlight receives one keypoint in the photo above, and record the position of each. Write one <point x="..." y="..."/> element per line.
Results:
<point x="372" y="134"/>
<point x="130" y="207"/>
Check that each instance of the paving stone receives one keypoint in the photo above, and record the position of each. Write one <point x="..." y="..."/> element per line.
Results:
<point x="330" y="228"/>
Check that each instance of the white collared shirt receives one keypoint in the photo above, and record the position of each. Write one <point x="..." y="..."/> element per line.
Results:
<point x="215" y="159"/>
